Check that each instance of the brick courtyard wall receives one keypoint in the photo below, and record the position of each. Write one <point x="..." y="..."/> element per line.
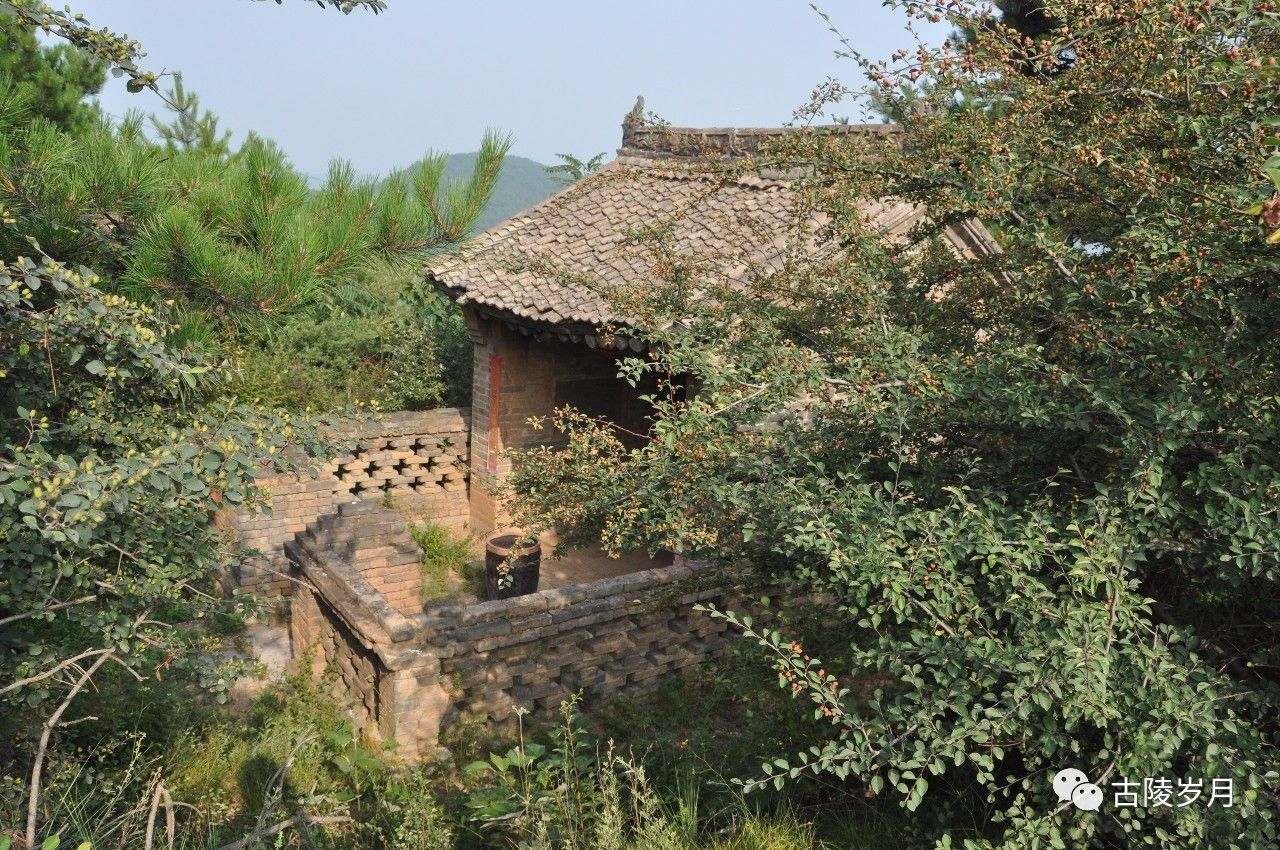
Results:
<point x="356" y="606"/>
<point x="295" y="501"/>
<point x="332" y="644"/>
<point x="369" y="549"/>
<point x="613" y="636"/>
<point x="417" y="458"/>
<point x="420" y="460"/>
<point x="519" y="376"/>
<point x="409" y="674"/>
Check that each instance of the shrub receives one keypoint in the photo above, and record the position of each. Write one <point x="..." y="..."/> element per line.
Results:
<point x="381" y="348"/>
<point x="322" y="364"/>
<point x="1039" y="478"/>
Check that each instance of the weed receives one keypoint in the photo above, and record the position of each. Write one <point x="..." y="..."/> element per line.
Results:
<point x="444" y="560"/>
<point x="415" y="821"/>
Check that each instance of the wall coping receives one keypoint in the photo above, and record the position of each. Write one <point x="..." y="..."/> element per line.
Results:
<point x="444" y="616"/>
<point x="407" y="423"/>
<point x="366" y="611"/>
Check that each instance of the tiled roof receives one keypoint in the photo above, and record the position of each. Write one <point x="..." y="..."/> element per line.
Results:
<point x="548" y="265"/>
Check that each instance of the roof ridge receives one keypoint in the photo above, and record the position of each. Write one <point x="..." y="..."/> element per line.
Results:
<point x="662" y="139"/>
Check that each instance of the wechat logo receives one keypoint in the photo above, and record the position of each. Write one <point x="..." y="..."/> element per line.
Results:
<point x="1071" y="784"/>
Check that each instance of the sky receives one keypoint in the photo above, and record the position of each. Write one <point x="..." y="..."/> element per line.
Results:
<point x="559" y="75"/>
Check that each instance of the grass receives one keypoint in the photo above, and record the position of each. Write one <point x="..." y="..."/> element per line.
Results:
<point x="577" y="793"/>
<point x="785" y="831"/>
<point x="444" y="561"/>
<point x="668" y="788"/>
<point x="227" y="765"/>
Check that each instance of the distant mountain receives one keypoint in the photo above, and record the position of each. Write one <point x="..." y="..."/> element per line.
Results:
<point x="521" y="184"/>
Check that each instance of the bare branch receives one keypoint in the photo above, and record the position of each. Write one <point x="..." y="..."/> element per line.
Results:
<point x="33" y="796"/>
<point x="39" y="677"/>
<point x="4" y="621"/>
<point x="300" y="819"/>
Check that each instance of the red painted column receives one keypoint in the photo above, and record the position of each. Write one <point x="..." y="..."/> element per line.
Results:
<point x="495" y="412"/>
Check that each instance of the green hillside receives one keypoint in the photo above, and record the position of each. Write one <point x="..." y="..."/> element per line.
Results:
<point x="522" y="184"/>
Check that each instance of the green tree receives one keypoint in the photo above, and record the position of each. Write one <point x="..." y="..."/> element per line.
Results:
<point x="110" y="467"/>
<point x="190" y="128"/>
<point x="114" y="446"/>
<point x="79" y="196"/>
<point x="1039" y="485"/>
<point x="54" y="82"/>
<point x="392" y="346"/>
<point x="1029" y="22"/>
<point x="571" y="169"/>
<point x="249" y="245"/>
<point x="231" y="244"/>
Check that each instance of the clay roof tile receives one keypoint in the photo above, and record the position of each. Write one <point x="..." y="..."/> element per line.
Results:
<point x="529" y="266"/>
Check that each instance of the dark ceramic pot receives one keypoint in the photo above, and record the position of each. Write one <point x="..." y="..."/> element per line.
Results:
<point x="521" y="573"/>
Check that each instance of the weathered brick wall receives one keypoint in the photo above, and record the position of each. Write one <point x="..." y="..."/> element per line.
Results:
<point x="410" y="673"/>
<point x="366" y="540"/>
<point x="295" y="502"/>
<point x="355" y="613"/>
<point x="519" y="377"/>
<point x="333" y="648"/>
<point x="418" y="459"/>
<point x="612" y="636"/>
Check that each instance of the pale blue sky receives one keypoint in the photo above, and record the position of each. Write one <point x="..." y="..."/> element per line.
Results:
<point x="558" y="74"/>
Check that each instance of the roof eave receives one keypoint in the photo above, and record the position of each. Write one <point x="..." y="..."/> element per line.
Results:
<point x="591" y="334"/>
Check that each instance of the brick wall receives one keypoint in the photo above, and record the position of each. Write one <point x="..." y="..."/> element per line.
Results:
<point x="613" y="636"/>
<point x="331" y="645"/>
<point x="410" y="673"/>
<point x="295" y="502"/>
<point x="418" y="459"/>
<point x="373" y="543"/>
<point x="521" y="376"/>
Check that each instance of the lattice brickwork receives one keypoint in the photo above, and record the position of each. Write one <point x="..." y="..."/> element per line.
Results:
<point x="418" y="459"/>
<point x="420" y="468"/>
